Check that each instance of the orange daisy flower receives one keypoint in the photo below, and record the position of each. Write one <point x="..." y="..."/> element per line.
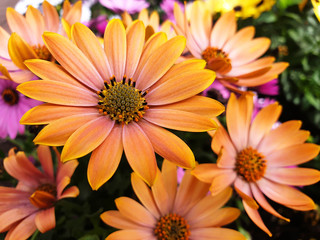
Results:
<point x="26" y="40"/>
<point x="30" y="205"/>
<point x="169" y="211"/>
<point x="119" y="98"/>
<point x="232" y="55"/>
<point x="258" y="160"/>
<point x="151" y="22"/>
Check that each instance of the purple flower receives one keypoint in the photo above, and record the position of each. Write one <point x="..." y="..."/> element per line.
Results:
<point x="270" y="88"/>
<point x="167" y="6"/>
<point x="119" y="6"/>
<point x="12" y="106"/>
<point x="260" y="103"/>
<point x="99" y="23"/>
<point x="218" y="91"/>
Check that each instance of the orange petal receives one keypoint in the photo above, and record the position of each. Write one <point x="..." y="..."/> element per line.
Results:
<point x="73" y="14"/>
<point x="104" y="159"/>
<point x="144" y="194"/>
<point x="163" y="58"/>
<point x="180" y="86"/>
<point x="198" y="17"/>
<point x="217" y="234"/>
<point x="116" y="220"/>
<point x="115" y="47"/>
<point x="20" y="50"/>
<point x="206" y="172"/>
<point x="160" y="195"/>
<point x="73" y="60"/>
<point x="44" y="155"/>
<point x="240" y="38"/>
<point x="24" y="229"/>
<point x="66" y="169"/>
<point x="139" y="152"/>
<point x="222" y="181"/>
<point x="42" y="199"/>
<point x="180" y="154"/>
<point x="45" y="220"/>
<point x="82" y="35"/>
<point x="179" y="120"/>
<point x="35" y="21"/>
<point x="135" y="212"/>
<point x="18" y="24"/>
<point x="135" y="43"/>
<point x="46" y="113"/>
<point x="51" y="17"/>
<point x="51" y="71"/>
<point x="293" y="155"/>
<point x="169" y="173"/>
<point x="243" y="189"/>
<point x="256" y="218"/>
<point x="87" y="138"/>
<point x="4" y="38"/>
<point x="132" y="234"/>
<point x="293" y="176"/>
<point x="71" y="192"/>
<point x="58" y="93"/>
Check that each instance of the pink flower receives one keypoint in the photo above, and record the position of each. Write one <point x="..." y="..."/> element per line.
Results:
<point x="30" y="205"/>
<point x="119" y="6"/>
<point x="12" y="106"/>
<point x="167" y="6"/>
<point x="270" y="88"/>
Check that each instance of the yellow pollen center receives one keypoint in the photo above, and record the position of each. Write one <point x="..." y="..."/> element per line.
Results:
<point x="44" y="196"/>
<point x="212" y="52"/>
<point x="250" y="164"/>
<point x="10" y="96"/>
<point x="42" y="52"/>
<point x="121" y="101"/>
<point x="172" y="227"/>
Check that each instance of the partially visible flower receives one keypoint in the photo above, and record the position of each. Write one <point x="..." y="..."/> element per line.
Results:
<point x="243" y="9"/>
<point x="120" y="6"/>
<point x="12" y="106"/>
<point x="26" y="40"/>
<point x="316" y="8"/>
<point x="123" y="94"/>
<point x="167" y="6"/>
<point x="234" y="56"/>
<point x="151" y="22"/>
<point x="260" y="103"/>
<point x="217" y="91"/>
<point x="270" y="88"/>
<point x="30" y="205"/>
<point x="257" y="160"/>
<point x="169" y="211"/>
<point x="98" y="24"/>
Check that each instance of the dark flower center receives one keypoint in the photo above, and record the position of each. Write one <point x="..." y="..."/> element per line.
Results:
<point x="172" y="227"/>
<point x="10" y="96"/>
<point x="250" y="164"/>
<point x="44" y="196"/>
<point x="42" y="52"/>
<point x="122" y="101"/>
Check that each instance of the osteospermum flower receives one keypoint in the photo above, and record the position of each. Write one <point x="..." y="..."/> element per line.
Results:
<point x="12" y="106"/>
<point x="151" y="22"/>
<point x="30" y="206"/>
<point x="130" y="6"/>
<point x="26" y="40"/>
<point x="169" y="211"/>
<point x="232" y="55"/>
<point x="257" y="160"/>
<point x="120" y="96"/>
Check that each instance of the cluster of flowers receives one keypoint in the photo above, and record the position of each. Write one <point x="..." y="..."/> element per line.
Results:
<point x="118" y="94"/>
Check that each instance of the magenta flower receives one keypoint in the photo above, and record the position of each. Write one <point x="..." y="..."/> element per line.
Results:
<point x="219" y="89"/>
<point x="270" y="88"/>
<point x="167" y="7"/>
<point x="119" y="6"/>
<point x="99" y="24"/>
<point x="12" y="106"/>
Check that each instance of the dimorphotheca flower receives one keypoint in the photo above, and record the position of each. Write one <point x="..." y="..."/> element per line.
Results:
<point x="120" y="96"/>
<point x="12" y="106"/>
<point x="232" y="55"/>
<point x="26" y="40"/>
<point x="30" y="205"/>
<point x="169" y="211"/>
<point x="257" y="160"/>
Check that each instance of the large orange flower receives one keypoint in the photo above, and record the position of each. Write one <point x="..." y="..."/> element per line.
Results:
<point x="232" y="55"/>
<point x="169" y="211"/>
<point x="119" y="98"/>
<point x="26" y="40"/>
<point x="258" y="160"/>
<point x="30" y="205"/>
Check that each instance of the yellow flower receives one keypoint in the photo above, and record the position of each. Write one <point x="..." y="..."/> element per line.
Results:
<point x="169" y="211"/>
<point x="316" y="8"/>
<point x="243" y="9"/>
<point x="30" y="205"/>
<point x="26" y="40"/>
<point x="258" y="160"/>
<point x="119" y="97"/>
<point x="234" y="56"/>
